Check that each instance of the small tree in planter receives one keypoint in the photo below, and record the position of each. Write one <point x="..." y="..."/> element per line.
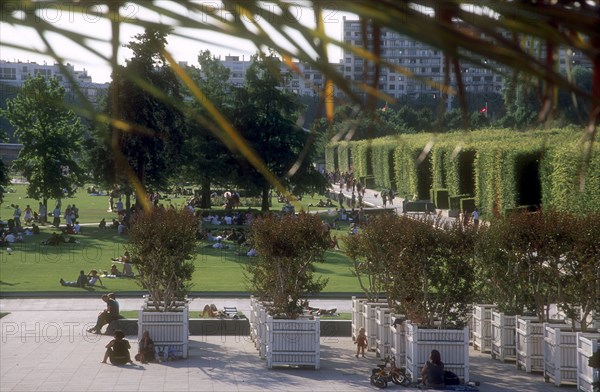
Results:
<point x="424" y="267"/>
<point x="283" y="273"/>
<point x="161" y="243"/>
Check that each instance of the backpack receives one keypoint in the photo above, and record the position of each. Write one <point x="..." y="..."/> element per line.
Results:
<point x="451" y="378"/>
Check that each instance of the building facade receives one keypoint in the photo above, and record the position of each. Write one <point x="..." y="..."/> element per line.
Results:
<point x="14" y="74"/>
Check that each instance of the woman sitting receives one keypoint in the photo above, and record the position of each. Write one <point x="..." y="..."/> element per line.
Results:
<point x="118" y="350"/>
<point x="146" y="349"/>
<point x="433" y="371"/>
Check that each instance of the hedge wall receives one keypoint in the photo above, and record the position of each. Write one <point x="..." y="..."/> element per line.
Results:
<point x="331" y="158"/>
<point x="502" y="168"/>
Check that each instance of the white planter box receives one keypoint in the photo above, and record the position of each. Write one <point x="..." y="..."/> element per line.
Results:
<point x="529" y="343"/>
<point x="370" y="322"/>
<point x="586" y="375"/>
<point x="384" y="337"/>
<point x="168" y="330"/>
<point x="357" y="316"/>
<point x="285" y="342"/>
<point x="293" y="342"/>
<point x="482" y="327"/>
<point x="398" y="343"/>
<point x="503" y="337"/>
<point x="453" y="345"/>
<point x="560" y="354"/>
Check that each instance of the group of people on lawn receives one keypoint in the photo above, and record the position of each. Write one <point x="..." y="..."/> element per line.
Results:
<point x="92" y="278"/>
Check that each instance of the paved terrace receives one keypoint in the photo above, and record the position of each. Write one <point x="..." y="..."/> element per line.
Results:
<point x="44" y="347"/>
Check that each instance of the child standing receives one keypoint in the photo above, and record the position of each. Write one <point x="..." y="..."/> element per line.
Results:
<point x="361" y="342"/>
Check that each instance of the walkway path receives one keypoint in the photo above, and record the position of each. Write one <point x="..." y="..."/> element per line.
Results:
<point x="44" y="347"/>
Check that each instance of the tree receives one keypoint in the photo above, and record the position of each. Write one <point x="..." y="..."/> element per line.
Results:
<point x="283" y="273"/>
<point x="425" y="267"/>
<point x="161" y="243"/>
<point x="265" y="115"/>
<point x="4" y="178"/>
<point x="208" y="160"/>
<point x="51" y="136"/>
<point x="147" y="150"/>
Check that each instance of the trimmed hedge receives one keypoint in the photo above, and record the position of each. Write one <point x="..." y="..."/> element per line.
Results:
<point x="500" y="167"/>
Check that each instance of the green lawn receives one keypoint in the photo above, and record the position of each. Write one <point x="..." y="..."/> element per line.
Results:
<point x="33" y="267"/>
<point x="93" y="208"/>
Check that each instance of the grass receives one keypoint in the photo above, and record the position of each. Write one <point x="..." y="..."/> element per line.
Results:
<point x="93" y="208"/>
<point x="33" y="267"/>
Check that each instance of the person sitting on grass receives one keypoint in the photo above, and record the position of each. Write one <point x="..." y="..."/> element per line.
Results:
<point x="107" y="315"/>
<point x="81" y="281"/>
<point x="93" y="278"/>
<point x="118" y="350"/>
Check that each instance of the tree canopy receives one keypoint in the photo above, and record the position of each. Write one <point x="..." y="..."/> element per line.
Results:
<point x="51" y="136"/>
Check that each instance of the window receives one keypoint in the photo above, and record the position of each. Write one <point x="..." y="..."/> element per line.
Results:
<point x="44" y="72"/>
<point x="392" y="78"/>
<point x="392" y="87"/>
<point x="8" y="73"/>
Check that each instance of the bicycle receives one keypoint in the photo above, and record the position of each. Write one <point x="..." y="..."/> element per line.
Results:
<point x="384" y="374"/>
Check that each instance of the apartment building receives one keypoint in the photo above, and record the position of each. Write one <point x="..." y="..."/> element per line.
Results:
<point x="423" y="61"/>
<point x="14" y="73"/>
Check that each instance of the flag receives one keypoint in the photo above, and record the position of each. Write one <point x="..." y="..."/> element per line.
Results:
<point x="483" y="110"/>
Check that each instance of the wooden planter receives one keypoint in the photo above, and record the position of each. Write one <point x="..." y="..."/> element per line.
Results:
<point x="285" y="342"/>
<point x="168" y="330"/>
<point x="293" y="342"/>
<point x="357" y="316"/>
<point x="384" y="338"/>
<point x="398" y="342"/>
<point x="370" y="322"/>
<point x="503" y="337"/>
<point x="586" y="376"/>
<point x="560" y="354"/>
<point x="453" y="345"/>
<point x="529" y="343"/>
<point x="482" y="327"/>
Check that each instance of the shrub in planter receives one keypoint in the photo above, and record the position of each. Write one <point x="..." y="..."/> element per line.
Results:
<point x="424" y="267"/>
<point x="528" y="261"/>
<point x="283" y="273"/>
<point x="161" y="243"/>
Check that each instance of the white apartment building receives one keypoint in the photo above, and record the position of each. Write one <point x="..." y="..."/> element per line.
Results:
<point x="304" y="79"/>
<point x="424" y="61"/>
<point x="14" y="74"/>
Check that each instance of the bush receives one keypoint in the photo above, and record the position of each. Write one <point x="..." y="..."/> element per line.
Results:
<point x="161" y="243"/>
<point x="287" y="246"/>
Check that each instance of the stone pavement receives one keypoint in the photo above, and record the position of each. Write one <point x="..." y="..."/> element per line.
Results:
<point x="44" y="347"/>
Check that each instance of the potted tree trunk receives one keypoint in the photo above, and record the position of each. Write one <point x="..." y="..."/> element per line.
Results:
<point x="161" y="243"/>
<point x="282" y="276"/>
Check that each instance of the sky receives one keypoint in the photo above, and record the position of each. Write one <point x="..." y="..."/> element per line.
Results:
<point x="61" y="15"/>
